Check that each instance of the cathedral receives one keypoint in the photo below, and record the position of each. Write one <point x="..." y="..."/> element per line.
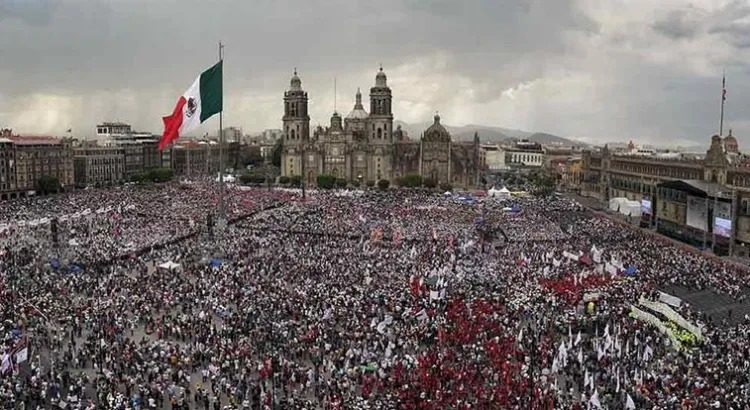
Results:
<point x="364" y="146"/>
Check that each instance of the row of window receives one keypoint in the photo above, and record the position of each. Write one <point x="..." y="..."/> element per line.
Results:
<point x="662" y="171"/>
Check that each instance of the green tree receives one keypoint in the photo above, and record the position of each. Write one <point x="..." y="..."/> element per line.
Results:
<point x="326" y="181"/>
<point x="276" y="153"/>
<point x="252" y="178"/>
<point x="383" y="184"/>
<point x="283" y="180"/>
<point x="446" y="187"/>
<point x="370" y="184"/>
<point x="410" y="181"/>
<point x="430" y="183"/>
<point x="295" y="181"/>
<point x="340" y="183"/>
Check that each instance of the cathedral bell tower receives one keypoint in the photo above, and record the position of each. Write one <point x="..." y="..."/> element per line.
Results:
<point x="296" y="129"/>
<point x="381" y="116"/>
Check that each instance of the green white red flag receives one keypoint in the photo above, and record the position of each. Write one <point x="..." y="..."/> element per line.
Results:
<point x="201" y="101"/>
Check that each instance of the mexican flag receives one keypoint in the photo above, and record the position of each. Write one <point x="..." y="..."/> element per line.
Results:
<point x="202" y="100"/>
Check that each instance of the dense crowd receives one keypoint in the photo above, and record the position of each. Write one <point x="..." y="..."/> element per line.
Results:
<point x="351" y="300"/>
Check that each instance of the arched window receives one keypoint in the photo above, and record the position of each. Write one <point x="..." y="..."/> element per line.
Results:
<point x="291" y="136"/>
<point x="380" y="133"/>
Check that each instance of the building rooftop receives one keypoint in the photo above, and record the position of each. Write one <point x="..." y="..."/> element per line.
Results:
<point x="697" y="187"/>
<point x="113" y="124"/>
<point x="35" y="140"/>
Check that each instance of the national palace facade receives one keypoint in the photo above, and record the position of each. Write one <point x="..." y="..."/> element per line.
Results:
<point x="720" y="177"/>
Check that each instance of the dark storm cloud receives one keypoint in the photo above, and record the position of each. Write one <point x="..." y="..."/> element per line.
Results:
<point x="677" y="25"/>
<point x="31" y="12"/>
<point x="577" y="67"/>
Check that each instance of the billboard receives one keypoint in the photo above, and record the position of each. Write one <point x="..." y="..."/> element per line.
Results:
<point x="723" y="227"/>
<point x="645" y="206"/>
<point x="697" y="214"/>
<point x="723" y="210"/>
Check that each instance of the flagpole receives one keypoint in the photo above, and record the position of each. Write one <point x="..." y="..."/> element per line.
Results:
<point x="222" y="211"/>
<point x="723" y="98"/>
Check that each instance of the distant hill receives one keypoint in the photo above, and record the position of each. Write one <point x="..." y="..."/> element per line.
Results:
<point x="488" y="133"/>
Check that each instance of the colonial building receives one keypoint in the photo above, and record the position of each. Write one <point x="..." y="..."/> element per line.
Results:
<point x="24" y="160"/>
<point x="98" y="166"/>
<point x="525" y="154"/>
<point x="674" y="184"/>
<point x="194" y="157"/>
<point x="141" y="149"/>
<point x="364" y="146"/>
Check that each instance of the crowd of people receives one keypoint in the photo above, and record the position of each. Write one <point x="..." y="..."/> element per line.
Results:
<point x="351" y="300"/>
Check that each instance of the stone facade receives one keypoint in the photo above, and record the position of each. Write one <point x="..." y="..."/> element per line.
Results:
<point x="364" y="146"/>
<point x="98" y="166"/>
<point x="26" y="159"/>
<point x="608" y="174"/>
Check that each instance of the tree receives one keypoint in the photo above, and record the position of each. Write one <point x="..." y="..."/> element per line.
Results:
<point x="48" y="184"/>
<point x="446" y="187"/>
<point x="356" y="183"/>
<point x="410" y="181"/>
<point x="340" y="183"/>
<point x="326" y="181"/>
<point x="430" y="183"/>
<point x="283" y="180"/>
<point x="252" y="179"/>
<point x="370" y="184"/>
<point x="295" y="180"/>
<point x="383" y="184"/>
<point x="276" y="153"/>
<point x="250" y="155"/>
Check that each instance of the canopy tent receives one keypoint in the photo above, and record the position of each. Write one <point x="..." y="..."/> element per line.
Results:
<point x="227" y="178"/>
<point x="625" y="206"/>
<point x="215" y="262"/>
<point x="631" y="270"/>
<point x="169" y="265"/>
<point x="502" y="193"/>
<point x="447" y="193"/>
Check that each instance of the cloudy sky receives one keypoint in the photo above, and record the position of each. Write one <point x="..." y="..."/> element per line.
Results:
<point x="598" y="70"/>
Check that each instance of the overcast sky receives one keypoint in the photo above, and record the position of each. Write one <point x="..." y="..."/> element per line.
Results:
<point x="599" y="70"/>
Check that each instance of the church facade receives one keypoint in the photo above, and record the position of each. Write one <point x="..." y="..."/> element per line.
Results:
<point x="364" y="146"/>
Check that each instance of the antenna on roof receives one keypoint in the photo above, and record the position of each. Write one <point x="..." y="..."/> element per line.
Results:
<point x="334" y="94"/>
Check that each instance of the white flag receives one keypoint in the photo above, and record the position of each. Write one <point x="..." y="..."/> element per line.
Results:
<point x="594" y="401"/>
<point x="647" y="353"/>
<point x="586" y="378"/>
<point x="5" y="364"/>
<point x="629" y="404"/>
<point x="22" y="355"/>
<point x="617" y="389"/>
<point x="578" y="338"/>
<point x="580" y="355"/>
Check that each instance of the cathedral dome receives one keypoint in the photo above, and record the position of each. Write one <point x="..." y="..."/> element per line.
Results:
<point x="380" y="78"/>
<point x="296" y="83"/>
<point x="730" y="143"/>
<point x="436" y="132"/>
<point x="358" y="112"/>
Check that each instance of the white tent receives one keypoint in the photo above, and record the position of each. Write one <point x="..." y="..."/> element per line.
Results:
<point x="227" y="178"/>
<point x="625" y="206"/>
<point x="502" y="193"/>
<point x="169" y="265"/>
